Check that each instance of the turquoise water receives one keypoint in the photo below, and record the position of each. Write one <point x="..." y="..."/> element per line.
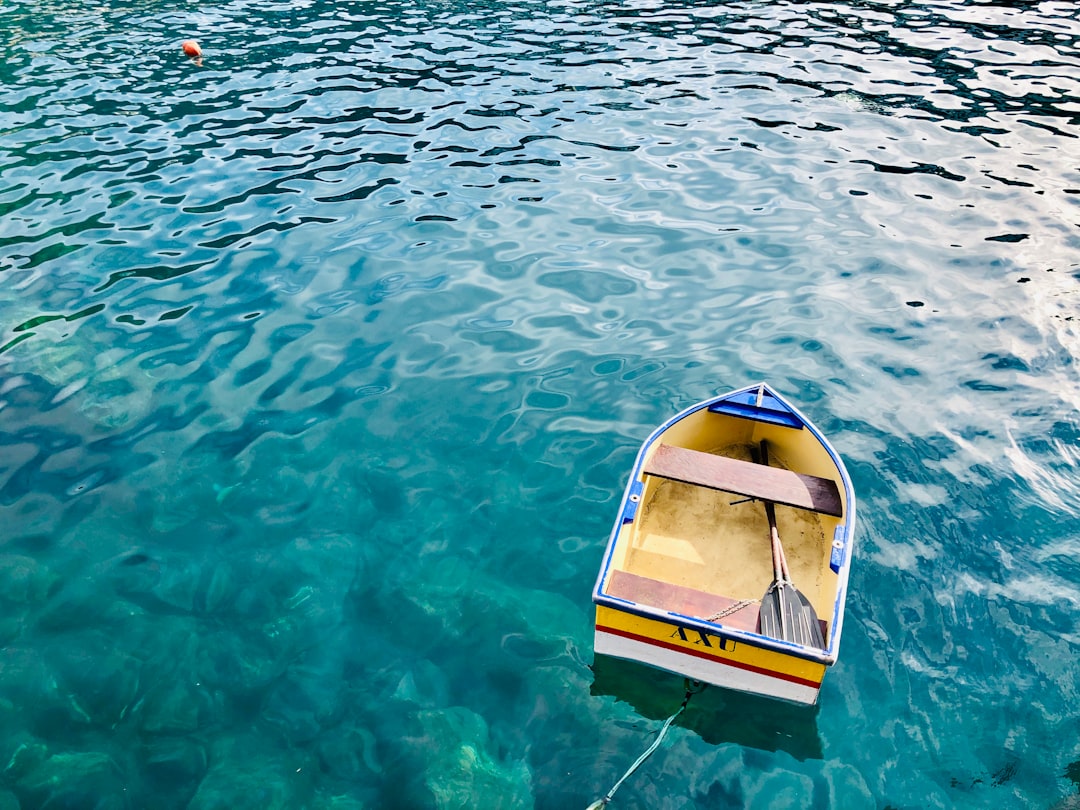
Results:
<point x="323" y="361"/>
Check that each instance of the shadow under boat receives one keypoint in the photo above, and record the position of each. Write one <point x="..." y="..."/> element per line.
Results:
<point x="715" y="714"/>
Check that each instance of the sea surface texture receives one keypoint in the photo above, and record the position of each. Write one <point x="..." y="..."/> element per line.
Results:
<point x="324" y="358"/>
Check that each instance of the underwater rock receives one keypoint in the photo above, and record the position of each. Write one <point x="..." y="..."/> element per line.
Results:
<point x="308" y="698"/>
<point x="8" y="800"/>
<point x="247" y="772"/>
<point x="28" y="684"/>
<point x="193" y="492"/>
<point x="846" y="785"/>
<point x="61" y="363"/>
<point x="253" y="601"/>
<point x="331" y="559"/>
<point x="218" y="588"/>
<point x="168" y="645"/>
<point x="24" y="581"/>
<point x="333" y="802"/>
<point x="349" y="753"/>
<point x="113" y="399"/>
<point x="175" y="707"/>
<point x="385" y="492"/>
<point x="77" y="779"/>
<point x="271" y="492"/>
<point x="178" y="502"/>
<point x="424" y="684"/>
<point x="309" y="582"/>
<point x="313" y="574"/>
<point x="99" y="682"/>
<point x="543" y="715"/>
<point x="456" y="605"/>
<point x="134" y="575"/>
<point x="22" y="753"/>
<point x="241" y="664"/>
<point x="78" y="604"/>
<point x="178" y="584"/>
<point x="454" y="588"/>
<point x="460" y="772"/>
<point x="174" y="766"/>
<point x="162" y="583"/>
<point x="11" y="627"/>
<point x="340" y="499"/>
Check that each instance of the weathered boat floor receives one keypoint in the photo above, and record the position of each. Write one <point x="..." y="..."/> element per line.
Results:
<point x="675" y="540"/>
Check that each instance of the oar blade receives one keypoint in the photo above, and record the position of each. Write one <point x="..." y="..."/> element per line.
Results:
<point x="809" y="626"/>
<point x="787" y="615"/>
<point x="770" y="618"/>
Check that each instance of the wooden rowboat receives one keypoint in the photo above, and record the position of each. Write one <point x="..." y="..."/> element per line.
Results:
<point x="738" y="513"/>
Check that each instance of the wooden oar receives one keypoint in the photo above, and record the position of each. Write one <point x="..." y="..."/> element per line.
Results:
<point x="785" y="612"/>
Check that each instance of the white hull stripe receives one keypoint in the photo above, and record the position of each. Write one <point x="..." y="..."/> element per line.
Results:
<point x="709" y="670"/>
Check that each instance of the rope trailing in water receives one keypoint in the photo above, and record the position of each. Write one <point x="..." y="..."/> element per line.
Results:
<point x="692" y="688"/>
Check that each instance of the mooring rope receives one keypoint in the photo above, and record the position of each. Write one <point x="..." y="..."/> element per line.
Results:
<point x="692" y="688"/>
<point x="735" y="608"/>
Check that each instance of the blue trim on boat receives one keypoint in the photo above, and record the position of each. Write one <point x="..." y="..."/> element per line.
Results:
<point x="630" y="505"/>
<point x="771" y="409"/>
<point x="836" y="557"/>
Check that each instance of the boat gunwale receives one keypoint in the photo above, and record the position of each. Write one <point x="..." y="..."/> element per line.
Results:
<point x="827" y="656"/>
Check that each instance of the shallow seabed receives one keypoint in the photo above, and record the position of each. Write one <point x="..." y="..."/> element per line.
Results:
<point x="323" y="361"/>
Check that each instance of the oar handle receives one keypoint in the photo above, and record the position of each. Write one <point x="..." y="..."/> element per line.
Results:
<point x="777" y="550"/>
<point x="780" y="569"/>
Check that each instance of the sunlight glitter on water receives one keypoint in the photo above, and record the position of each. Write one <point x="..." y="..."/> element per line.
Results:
<point x="324" y="361"/>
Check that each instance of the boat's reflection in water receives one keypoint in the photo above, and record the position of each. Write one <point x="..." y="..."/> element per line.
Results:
<point x="716" y="715"/>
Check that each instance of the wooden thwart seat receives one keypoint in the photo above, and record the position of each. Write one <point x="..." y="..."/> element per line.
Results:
<point x="679" y="599"/>
<point x="746" y="478"/>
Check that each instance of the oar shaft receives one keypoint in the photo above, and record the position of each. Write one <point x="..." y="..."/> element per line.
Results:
<point x="777" y="555"/>
<point x="783" y="563"/>
<point x="786" y="612"/>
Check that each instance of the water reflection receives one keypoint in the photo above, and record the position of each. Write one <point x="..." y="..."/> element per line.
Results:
<point x="716" y="715"/>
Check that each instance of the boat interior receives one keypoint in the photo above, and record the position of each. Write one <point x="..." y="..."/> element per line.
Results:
<point x="699" y="542"/>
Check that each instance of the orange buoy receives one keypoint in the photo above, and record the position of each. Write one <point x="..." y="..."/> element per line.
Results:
<point x="191" y="47"/>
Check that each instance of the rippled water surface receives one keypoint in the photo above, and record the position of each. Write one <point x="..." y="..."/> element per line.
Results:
<point x="324" y="357"/>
